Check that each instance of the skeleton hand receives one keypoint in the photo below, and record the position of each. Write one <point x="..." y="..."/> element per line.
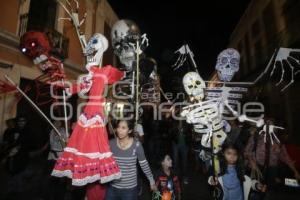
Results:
<point x="204" y="156"/>
<point x="281" y="58"/>
<point x="74" y="18"/>
<point x="270" y="133"/>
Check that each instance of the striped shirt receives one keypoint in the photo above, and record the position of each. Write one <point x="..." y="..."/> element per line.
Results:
<point x="127" y="162"/>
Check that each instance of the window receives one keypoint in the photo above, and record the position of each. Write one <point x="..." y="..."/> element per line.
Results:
<point x="292" y="18"/>
<point x="270" y="27"/>
<point x="258" y="54"/>
<point x="248" y="51"/>
<point x="256" y="29"/>
<point x="108" y="57"/>
<point x="42" y="15"/>
<point x="242" y="59"/>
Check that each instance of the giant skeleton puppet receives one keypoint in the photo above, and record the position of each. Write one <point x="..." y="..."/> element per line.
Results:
<point x="125" y="35"/>
<point x="206" y="113"/>
<point x="83" y="153"/>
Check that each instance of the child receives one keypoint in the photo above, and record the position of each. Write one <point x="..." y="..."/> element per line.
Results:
<point x="234" y="183"/>
<point x="127" y="151"/>
<point x="167" y="181"/>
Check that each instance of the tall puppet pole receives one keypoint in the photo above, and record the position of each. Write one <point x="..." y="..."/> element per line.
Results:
<point x="37" y="109"/>
<point x="74" y="18"/>
<point x="138" y="50"/>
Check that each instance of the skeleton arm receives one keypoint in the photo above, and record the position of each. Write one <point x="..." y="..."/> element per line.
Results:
<point x="74" y="18"/>
<point x="243" y="118"/>
<point x="280" y="55"/>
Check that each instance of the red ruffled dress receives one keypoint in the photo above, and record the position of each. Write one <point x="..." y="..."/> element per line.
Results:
<point x="87" y="157"/>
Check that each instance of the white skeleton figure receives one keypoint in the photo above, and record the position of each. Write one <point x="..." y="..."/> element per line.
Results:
<point x="124" y="35"/>
<point x="204" y="116"/>
<point x="231" y="94"/>
<point x="94" y="50"/>
<point x="207" y="120"/>
<point x="230" y="97"/>
<point x="194" y="85"/>
<point x="281" y="56"/>
<point x="268" y="131"/>
<point x="227" y="64"/>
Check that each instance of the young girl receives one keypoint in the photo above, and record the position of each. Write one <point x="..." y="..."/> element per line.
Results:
<point x="232" y="177"/>
<point x="166" y="180"/>
<point x="126" y="151"/>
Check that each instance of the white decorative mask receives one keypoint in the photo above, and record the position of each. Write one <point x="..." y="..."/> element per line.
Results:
<point x="94" y="50"/>
<point x="228" y="64"/>
<point x="194" y="85"/>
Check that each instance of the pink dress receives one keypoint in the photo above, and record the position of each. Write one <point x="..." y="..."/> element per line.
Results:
<point x="87" y="157"/>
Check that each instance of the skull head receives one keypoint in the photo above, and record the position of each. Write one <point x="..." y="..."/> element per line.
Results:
<point x="36" y="46"/>
<point x="94" y="50"/>
<point x="228" y="64"/>
<point x="124" y="35"/>
<point x="194" y="85"/>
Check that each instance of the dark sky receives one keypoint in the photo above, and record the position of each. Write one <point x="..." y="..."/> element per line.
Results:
<point x="204" y="25"/>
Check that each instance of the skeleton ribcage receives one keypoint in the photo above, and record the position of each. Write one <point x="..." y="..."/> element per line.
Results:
<point x="207" y="120"/>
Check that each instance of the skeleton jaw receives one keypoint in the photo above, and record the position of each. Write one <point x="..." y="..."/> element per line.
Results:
<point x="94" y="58"/>
<point x="197" y="95"/>
<point x="127" y="60"/>
<point x="40" y="59"/>
<point x="225" y="75"/>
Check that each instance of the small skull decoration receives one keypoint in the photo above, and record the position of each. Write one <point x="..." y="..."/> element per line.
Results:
<point x="94" y="50"/>
<point x="227" y="64"/>
<point x="194" y="85"/>
<point x="124" y="35"/>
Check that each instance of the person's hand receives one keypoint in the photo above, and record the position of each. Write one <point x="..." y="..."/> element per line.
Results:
<point x="153" y="188"/>
<point x="213" y="181"/>
<point x="261" y="187"/>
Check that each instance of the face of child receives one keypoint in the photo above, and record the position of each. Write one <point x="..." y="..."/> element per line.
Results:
<point x="123" y="130"/>
<point x="167" y="162"/>
<point x="231" y="156"/>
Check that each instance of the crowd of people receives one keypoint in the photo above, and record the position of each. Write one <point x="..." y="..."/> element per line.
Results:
<point x="250" y="167"/>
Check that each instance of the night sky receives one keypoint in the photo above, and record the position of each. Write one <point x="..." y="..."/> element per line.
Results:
<point x="205" y="25"/>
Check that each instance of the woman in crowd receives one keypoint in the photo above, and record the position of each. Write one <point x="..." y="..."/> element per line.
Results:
<point x="264" y="158"/>
<point x="127" y="151"/>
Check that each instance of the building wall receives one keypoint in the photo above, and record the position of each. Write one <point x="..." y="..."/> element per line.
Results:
<point x="265" y="26"/>
<point x="98" y="12"/>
